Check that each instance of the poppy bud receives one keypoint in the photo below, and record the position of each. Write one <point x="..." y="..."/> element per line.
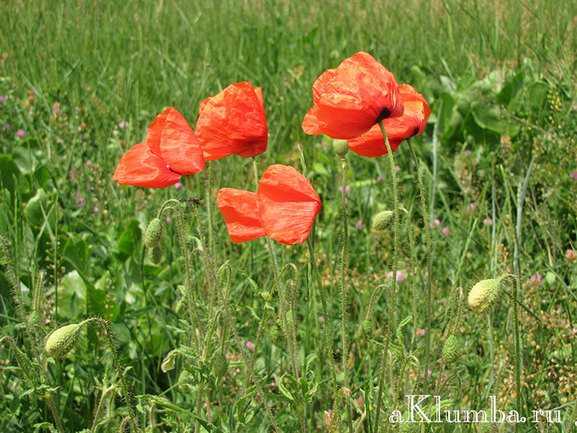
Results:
<point x="61" y="341"/>
<point x="483" y="294"/>
<point x="153" y="233"/>
<point x="381" y="220"/>
<point x="340" y="147"/>
<point x="169" y="361"/>
<point x="451" y="349"/>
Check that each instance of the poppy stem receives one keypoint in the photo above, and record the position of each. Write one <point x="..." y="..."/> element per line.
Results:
<point x="429" y="245"/>
<point x="344" y="289"/>
<point x="394" y="253"/>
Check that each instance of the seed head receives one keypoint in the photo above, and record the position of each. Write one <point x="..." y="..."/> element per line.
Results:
<point x="153" y="233"/>
<point x="451" y="349"/>
<point x="62" y="340"/>
<point x="483" y="294"/>
<point x="382" y="220"/>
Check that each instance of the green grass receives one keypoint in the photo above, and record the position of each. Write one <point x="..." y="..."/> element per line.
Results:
<point x="83" y="79"/>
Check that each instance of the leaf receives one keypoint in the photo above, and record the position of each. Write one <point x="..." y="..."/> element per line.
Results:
<point x="128" y="240"/>
<point x="511" y="88"/>
<point x="71" y="296"/>
<point x="494" y="118"/>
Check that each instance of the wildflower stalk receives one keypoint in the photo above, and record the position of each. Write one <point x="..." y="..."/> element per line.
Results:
<point x="395" y="226"/>
<point x="125" y="388"/>
<point x="393" y="296"/>
<point x="522" y="192"/>
<point x="285" y="309"/>
<point x="429" y="246"/>
<point x="343" y="266"/>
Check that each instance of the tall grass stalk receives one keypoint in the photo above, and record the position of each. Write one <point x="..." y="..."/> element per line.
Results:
<point x="521" y="194"/>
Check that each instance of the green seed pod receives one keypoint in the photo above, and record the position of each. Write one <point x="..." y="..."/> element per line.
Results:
<point x="62" y="340"/>
<point x="153" y="233"/>
<point x="169" y="361"/>
<point x="451" y="349"/>
<point x="340" y="147"/>
<point x="483" y="294"/>
<point x="382" y="220"/>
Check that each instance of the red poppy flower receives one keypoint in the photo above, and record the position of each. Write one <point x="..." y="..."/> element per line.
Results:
<point x="169" y="151"/>
<point x="233" y="123"/>
<point x="284" y="208"/>
<point x="349" y="100"/>
<point x="288" y="204"/>
<point x="411" y="123"/>
<point x="171" y="138"/>
<point x="141" y="167"/>
<point x="239" y="209"/>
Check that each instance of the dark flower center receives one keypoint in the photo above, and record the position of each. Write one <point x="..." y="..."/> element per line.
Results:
<point x="384" y="114"/>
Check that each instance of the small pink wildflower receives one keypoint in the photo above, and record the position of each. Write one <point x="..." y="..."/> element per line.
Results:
<point x="446" y="231"/>
<point x="535" y="280"/>
<point x="488" y="221"/>
<point x="574" y="175"/>
<point x="20" y="133"/>
<point x="249" y="346"/>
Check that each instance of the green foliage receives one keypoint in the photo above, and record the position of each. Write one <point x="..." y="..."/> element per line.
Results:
<point x="197" y="340"/>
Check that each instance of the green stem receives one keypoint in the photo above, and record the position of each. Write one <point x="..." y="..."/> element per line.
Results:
<point x="517" y="287"/>
<point x="393" y="296"/>
<point x="125" y="388"/>
<point x="343" y="267"/>
<point x="429" y="246"/>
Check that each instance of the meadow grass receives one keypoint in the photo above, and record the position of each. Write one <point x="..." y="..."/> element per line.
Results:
<point x="259" y="344"/>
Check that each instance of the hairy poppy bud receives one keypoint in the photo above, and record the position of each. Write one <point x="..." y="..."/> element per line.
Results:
<point x="381" y="220"/>
<point x="153" y="233"/>
<point x="169" y="361"/>
<point x="451" y="349"/>
<point x="340" y="147"/>
<point x="483" y="294"/>
<point x="61" y="341"/>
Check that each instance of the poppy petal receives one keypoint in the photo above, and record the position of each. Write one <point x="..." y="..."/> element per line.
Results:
<point x="350" y="99"/>
<point x="233" y="123"/>
<point x="239" y="209"/>
<point x="171" y="138"/>
<point x="371" y="144"/>
<point x="416" y="111"/>
<point x="288" y="204"/>
<point x="140" y="167"/>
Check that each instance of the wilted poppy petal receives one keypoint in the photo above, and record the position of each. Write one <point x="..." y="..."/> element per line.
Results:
<point x="411" y="123"/>
<point x="233" y="123"/>
<point x="352" y="98"/>
<point x="288" y="204"/>
<point x="171" y="138"/>
<point x="140" y="167"/>
<point x="239" y="209"/>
